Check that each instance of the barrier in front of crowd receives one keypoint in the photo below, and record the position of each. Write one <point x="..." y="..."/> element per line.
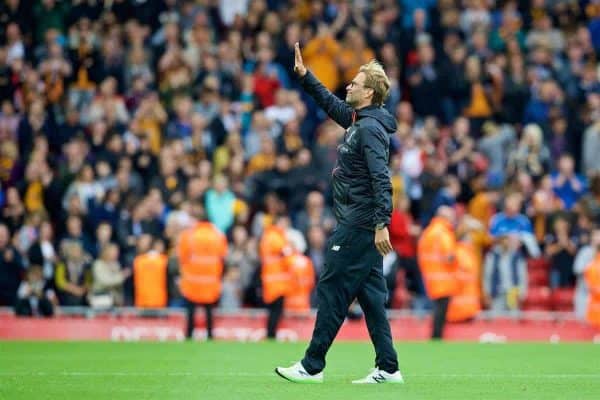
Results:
<point x="130" y="324"/>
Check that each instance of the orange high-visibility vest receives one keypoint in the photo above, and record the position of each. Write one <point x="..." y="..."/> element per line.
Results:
<point x="201" y="251"/>
<point x="592" y="278"/>
<point x="150" y="280"/>
<point x="436" y="253"/>
<point x="275" y="276"/>
<point x="467" y="302"/>
<point x="302" y="282"/>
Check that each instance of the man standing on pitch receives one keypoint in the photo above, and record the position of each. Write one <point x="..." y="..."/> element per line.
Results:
<point x="363" y="205"/>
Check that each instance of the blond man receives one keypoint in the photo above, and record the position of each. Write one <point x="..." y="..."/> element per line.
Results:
<point x="363" y="205"/>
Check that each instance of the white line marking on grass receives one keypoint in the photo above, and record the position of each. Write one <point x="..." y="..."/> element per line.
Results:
<point x="501" y="375"/>
<point x="75" y="373"/>
<point x="253" y="374"/>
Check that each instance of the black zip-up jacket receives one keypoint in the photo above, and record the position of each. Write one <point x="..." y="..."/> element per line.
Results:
<point x="362" y="190"/>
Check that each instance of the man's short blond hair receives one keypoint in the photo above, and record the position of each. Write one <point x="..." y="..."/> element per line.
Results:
<point x="376" y="79"/>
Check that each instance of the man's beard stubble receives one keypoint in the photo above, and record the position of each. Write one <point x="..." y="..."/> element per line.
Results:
<point x="350" y="100"/>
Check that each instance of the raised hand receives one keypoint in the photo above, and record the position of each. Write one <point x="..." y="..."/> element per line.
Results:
<point x="299" y="67"/>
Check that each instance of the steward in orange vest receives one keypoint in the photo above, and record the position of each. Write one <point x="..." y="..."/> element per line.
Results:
<point x="275" y="273"/>
<point x="302" y="283"/>
<point x="592" y="278"/>
<point x="466" y="304"/>
<point x="436" y="254"/>
<point x="150" y="274"/>
<point x="201" y="251"/>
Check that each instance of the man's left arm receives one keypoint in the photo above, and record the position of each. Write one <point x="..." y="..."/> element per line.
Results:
<point x="375" y="146"/>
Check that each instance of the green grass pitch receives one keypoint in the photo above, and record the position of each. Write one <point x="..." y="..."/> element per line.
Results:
<point x="227" y="370"/>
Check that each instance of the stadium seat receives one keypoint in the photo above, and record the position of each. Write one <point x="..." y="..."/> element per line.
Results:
<point x="538" y="299"/>
<point x="562" y="299"/>
<point x="539" y="263"/>
<point x="538" y="277"/>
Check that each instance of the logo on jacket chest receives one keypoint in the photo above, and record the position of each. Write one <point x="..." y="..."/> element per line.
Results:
<point x="350" y="140"/>
<point x="350" y="137"/>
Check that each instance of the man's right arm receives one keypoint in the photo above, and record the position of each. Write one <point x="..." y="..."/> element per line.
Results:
<point x="338" y="110"/>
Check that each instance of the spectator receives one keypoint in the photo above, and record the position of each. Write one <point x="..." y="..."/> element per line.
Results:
<point x="496" y="145"/>
<point x="459" y="149"/>
<point x="560" y="137"/>
<point x="424" y="82"/>
<point x="561" y="248"/>
<point x="403" y="236"/>
<point x="479" y="106"/>
<point x="544" y="203"/>
<point x="272" y="208"/>
<point x="34" y="297"/>
<point x="531" y="155"/>
<point x="445" y="196"/>
<point x="85" y="187"/>
<point x="243" y="256"/>
<point x="512" y="222"/>
<point x="457" y="86"/>
<point x="568" y="185"/>
<point x="108" y="104"/>
<point x="544" y="34"/>
<point x="482" y="205"/>
<point x="590" y="149"/>
<point x="42" y="251"/>
<point x="505" y="275"/>
<point x="220" y="204"/>
<point x="108" y="279"/>
<point x="315" y="213"/>
<point x="11" y="269"/>
<point x="103" y="237"/>
<point x="73" y="275"/>
<point x="320" y="55"/>
<point x="75" y="231"/>
<point x="354" y="53"/>
<point x="264" y="159"/>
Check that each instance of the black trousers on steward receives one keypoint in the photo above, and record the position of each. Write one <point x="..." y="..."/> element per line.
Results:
<point x="191" y="311"/>
<point x="440" y="309"/>
<point x="275" y="313"/>
<point x="353" y="269"/>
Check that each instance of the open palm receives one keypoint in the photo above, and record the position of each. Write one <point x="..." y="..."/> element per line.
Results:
<point x="299" y="67"/>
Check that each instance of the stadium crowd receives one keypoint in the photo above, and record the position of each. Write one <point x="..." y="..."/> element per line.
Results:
<point x="122" y="122"/>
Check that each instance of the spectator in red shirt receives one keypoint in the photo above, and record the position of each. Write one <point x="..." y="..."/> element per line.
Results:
<point x="403" y="230"/>
<point x="403" y="235"/>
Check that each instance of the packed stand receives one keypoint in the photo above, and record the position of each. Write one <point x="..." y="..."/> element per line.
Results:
<point x="122" y="122"/>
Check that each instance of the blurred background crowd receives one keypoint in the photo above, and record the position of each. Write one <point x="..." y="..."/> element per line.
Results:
<point x="123" y="121"/>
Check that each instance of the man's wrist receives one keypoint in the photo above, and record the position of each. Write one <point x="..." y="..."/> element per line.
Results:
<point x="379" y="226"/>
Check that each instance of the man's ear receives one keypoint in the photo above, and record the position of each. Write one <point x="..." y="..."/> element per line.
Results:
<point x="370" y="93"/>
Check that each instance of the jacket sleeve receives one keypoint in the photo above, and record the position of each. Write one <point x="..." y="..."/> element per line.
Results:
<point x="375" y="145"/>
<point x="338" y="110"/>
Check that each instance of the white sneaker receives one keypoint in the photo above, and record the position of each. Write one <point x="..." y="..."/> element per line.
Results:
<point x="297" y="374"/>
<point x="380" y="376"/>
